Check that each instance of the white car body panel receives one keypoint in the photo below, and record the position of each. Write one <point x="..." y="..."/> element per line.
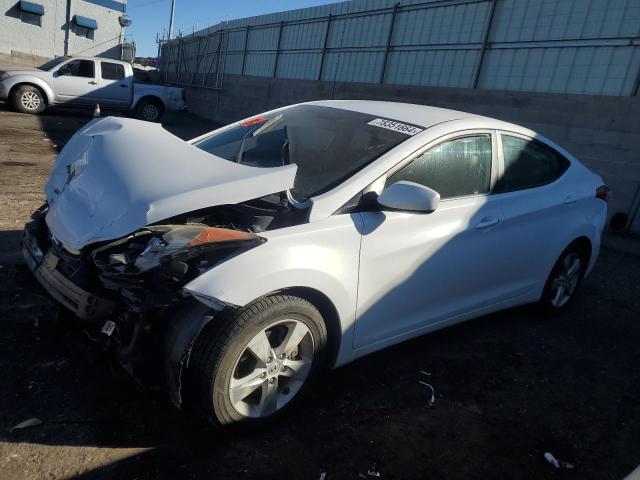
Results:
<point x="389" y="275"/>
<point x="393" y="254"/>
<point x="130" y="173"/>
<point x="324" y="258"/>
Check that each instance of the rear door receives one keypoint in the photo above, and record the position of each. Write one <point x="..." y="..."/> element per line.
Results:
<point x="538" y="205"/>
<point x="75" y="82"/>
<point x="115" y="87"/>
<point x="421" y="269"/>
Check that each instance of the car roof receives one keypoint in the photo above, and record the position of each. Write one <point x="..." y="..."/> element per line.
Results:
<point x="420" y="115"/>
<point x="84" y="57"/>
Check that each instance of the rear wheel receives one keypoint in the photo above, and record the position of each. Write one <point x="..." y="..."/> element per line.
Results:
<point x="260" y="361"/>
<point x="150" y="110"/>
<point x="28" y="99"/>
<point x="564" y="280"/>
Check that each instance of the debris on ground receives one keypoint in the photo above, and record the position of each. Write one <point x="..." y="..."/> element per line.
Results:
<point x="432" y="400"/>
<point x="32" y="422"/>
<point x="373" y="472"/>
<point x="323" y="475"/>
<point x="549" y="457"/>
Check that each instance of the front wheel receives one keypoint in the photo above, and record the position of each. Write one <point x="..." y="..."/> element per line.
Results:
<point x="564" y="280"/>
<point x="257" y="363"/>
<point x="28" y="99"/>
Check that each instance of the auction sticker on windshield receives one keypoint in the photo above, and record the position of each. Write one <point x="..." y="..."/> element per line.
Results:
<point x="395" y="126"/>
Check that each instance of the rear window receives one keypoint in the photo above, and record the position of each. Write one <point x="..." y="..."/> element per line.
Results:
<point x="112" y="71"/>
<point x="327" y="144"/>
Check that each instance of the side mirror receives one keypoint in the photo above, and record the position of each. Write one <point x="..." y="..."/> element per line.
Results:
<point x="409" y="197"/>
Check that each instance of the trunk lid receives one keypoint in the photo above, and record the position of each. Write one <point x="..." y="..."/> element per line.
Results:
<point x="117" y="175"/>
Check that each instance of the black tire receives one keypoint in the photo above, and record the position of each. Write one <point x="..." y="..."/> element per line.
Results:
<point x="550" y="302"/>
<point x="28" y="99"/>
<point x="219" y="349"/>
<point x="150" y="110"/>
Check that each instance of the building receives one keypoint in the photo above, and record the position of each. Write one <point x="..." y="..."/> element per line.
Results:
<point x="569" y="69"/>
<point x="30" y="30"/>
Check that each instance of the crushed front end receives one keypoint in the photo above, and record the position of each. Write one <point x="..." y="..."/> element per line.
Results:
<point x="128" y="293"/>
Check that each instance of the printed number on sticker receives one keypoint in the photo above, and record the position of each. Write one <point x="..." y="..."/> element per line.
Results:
<point x="395" y="126"/>
<point x="108" y="328"/>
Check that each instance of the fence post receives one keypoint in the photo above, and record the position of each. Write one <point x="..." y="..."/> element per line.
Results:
<point x="275" y="63"/>
<point x="389" y="38"/>
<point x="485" y="40"/>
<point x="179" y="61"/>
<point x="244" y="52"/>
<point x="324" y="46"/>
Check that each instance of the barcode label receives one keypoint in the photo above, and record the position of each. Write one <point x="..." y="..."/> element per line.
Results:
<point x="395" y="126"/>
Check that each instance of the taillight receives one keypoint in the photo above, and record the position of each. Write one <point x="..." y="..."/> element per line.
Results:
<point x="602" y="192"/>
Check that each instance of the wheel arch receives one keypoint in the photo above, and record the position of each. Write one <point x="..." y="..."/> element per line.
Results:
<point x="329" y="314"/>
<point x="583" y="244"/>
<point x="153" y="98"/>
<point x="40" y="88"/>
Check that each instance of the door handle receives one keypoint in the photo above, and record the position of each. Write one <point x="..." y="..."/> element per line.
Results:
<point x="124" y="85"/>
<point x="93" y="83"/>
<point x="487" y="222"/>
<point x="570" y="200"/>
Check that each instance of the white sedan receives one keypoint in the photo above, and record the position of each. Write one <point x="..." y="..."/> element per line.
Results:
<point x="237" y="266"/>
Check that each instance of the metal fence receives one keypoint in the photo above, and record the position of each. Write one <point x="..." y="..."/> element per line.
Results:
<point x="564" y="46"/>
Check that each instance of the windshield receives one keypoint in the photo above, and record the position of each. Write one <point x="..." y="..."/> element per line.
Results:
<point x="327" y="144"/>
<point x="52" y="63"/>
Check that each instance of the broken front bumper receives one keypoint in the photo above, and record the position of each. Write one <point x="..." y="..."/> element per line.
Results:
<point x="82" y="303"/>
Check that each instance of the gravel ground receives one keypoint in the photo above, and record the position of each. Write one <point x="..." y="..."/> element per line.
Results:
<point x="509" y="387"/>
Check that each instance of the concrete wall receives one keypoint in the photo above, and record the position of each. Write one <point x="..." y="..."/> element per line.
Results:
<point x="57" y="29"/>
<point x="19" y="59"/>
<point x="602" y="131"/>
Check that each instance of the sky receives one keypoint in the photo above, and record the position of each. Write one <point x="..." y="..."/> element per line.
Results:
<point x="152" y="16"/>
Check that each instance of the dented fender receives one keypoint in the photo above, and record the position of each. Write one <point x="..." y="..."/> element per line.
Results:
<point x="324" y="259"/>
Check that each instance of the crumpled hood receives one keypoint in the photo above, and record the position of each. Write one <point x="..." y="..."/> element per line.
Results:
<point x="117" y="175"/>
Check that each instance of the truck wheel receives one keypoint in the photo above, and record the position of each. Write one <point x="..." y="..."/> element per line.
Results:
<point x="150" y="110"/>
<point x="255" y="365"/>
<point x="28" y="99"/>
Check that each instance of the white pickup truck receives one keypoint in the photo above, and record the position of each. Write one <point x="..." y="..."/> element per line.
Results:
<point x="85" y="82"/>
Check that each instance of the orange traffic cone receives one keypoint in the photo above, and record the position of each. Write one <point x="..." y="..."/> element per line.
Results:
<point x="96" y="111"/>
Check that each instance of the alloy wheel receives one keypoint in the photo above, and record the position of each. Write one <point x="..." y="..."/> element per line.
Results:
<point x="150" y="112"/>
<point x="271" y="369"/>
<point x="566" y="281"/>
<point x="30" y="100"/>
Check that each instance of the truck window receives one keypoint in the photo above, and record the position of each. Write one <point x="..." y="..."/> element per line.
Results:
<point x="78" y="68"/>
<point x="112" y="71"/>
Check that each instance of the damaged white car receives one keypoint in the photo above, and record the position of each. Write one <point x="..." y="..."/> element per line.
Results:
<point x="235" y="267"/>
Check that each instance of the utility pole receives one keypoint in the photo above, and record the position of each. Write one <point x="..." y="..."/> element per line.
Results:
<point x="173" y="12"/>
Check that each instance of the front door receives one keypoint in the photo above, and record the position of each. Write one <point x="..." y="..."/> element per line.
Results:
<point x="420" y="269"/>
<point x="75" y="82"/>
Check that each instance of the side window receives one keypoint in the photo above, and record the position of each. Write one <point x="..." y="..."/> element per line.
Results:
<point x="78" y="68"/>
<point x="112" y="71"/>
<point x="454" y="168"/>
<point x="528" y="164"/>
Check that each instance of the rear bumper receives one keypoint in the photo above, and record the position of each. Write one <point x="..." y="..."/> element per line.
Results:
<point x="82" y="303"/>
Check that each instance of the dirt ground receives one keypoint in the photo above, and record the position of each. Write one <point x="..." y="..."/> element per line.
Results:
<point x="508" y="387"/>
